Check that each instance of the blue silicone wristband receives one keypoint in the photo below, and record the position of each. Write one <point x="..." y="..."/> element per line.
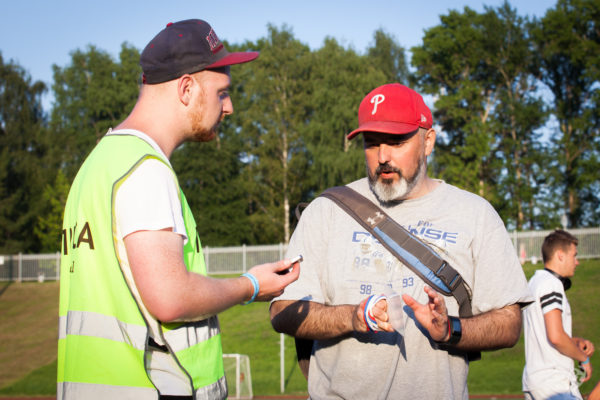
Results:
<point x="587" y="360"/>
<point x="254" y="284"/>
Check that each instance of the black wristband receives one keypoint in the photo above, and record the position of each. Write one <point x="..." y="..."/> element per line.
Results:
<point x="455" y="331"/>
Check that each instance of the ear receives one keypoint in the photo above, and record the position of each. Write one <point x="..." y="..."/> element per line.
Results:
<point x="430" y="136"/>
<point x="185" y="86"/>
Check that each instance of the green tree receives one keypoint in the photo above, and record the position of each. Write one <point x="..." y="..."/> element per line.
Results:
<point x="448" y="66"/>
<point x="210" y="175"/>
<point x="48" y="228"/>
<point x="274" y="94"/>
<point x="479" y="68"/>
<point x="92" y="94"/>
<point x="518" y="114"/>
<point x="388" y="56"/>
<point x="22" y="155"/>
<point x="567" y="43"/>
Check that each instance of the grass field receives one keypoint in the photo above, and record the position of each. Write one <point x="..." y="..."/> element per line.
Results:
<point x="28" y="332"/>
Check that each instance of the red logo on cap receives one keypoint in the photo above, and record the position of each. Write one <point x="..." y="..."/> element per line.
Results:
<point x="214" y="42"/>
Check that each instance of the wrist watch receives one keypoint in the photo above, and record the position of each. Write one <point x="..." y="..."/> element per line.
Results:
<point x="455" y="331"/>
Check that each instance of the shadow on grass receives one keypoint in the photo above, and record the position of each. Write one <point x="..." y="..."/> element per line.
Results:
<point x="289" y="376"/>
<point x="42" y="382"/>
<point x="5" y="287"/>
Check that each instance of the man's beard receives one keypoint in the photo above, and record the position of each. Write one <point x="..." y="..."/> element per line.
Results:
<point x="199" y="132"/>
<point x="386" y="190"/>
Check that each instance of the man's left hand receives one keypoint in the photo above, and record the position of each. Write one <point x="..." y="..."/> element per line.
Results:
<point x="433" y="316"/>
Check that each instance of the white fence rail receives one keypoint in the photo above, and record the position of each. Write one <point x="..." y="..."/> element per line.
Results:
<point x="529" y="243"/>
<point x="29" y="267"/>
<point x="236" y="260"/>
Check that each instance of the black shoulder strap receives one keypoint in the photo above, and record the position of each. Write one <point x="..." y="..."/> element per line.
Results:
<point x="409" y="249"/>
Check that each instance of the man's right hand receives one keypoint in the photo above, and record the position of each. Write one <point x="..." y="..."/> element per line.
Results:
<point x="585" y="345"/>
<point x="273" y="278"/>
<point x="379" y="312"/>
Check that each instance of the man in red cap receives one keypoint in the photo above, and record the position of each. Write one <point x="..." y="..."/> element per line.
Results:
<point x="137" y="312"/>
<point x="359" y="350"/>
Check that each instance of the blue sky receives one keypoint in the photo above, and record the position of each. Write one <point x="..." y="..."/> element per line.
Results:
<point x="39" y="33"/>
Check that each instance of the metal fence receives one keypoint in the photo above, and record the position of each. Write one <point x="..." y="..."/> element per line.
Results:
<point x="529" y="243"/>
<point x="29" y="267"/>
<point x="236" y="260"/>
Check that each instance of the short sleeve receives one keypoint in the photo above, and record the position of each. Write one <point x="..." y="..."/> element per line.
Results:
<point x="309" y="239"/>
<point x="498" y="276"/>
<point x="550" y="295"/>
<point x="149" y="200"/>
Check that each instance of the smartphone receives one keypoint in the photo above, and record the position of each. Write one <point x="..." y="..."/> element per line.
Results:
<point x="294" y="260"/>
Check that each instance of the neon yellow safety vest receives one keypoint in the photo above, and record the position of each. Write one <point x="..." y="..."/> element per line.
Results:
<point x="103" y="336"/>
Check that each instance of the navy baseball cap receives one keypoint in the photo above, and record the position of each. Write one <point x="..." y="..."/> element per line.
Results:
<point x="186" y="47"/>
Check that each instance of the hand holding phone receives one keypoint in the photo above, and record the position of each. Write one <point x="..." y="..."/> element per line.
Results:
<point x="296" y="259"/>
<point x="293" y="261"/>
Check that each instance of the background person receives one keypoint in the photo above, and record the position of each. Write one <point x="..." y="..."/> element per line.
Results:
<point x="137" y="311"/>
<point x="549" y="346"/>
<point x="343" y="264"/>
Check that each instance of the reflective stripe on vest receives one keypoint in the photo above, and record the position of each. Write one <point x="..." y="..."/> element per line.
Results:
<point x="196" y="332"/>
<point x="102" y="333"/>
<point x="187" y="342"/>
<point x="90" y="391"/>
<point x="86" y="323"/>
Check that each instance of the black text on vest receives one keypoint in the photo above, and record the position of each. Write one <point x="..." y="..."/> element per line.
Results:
<point x="75" y="238"/>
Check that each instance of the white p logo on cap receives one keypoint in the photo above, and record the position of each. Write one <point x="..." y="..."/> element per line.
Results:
<point x="376" y="100"/>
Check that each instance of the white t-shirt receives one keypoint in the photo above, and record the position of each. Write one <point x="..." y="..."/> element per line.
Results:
<point x="149" y="200"/>
<point x="543" y="363"/>
<point x="344" y="264"/>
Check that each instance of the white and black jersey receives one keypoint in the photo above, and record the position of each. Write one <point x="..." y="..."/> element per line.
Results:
<point x="543" y="363"/>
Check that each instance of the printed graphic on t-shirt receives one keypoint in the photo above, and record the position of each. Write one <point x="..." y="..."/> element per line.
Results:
<point x="374" y="270"/>
<point x="426" y="231"/>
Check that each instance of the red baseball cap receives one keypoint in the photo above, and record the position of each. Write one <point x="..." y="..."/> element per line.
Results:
<point x="392" y="108"/>
<point x="186" y="47"/>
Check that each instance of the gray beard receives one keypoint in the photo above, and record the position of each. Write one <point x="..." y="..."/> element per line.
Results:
<point x="389" y="192"/>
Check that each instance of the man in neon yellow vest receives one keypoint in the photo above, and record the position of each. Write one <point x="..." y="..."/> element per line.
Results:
<point x="137" y="315"/>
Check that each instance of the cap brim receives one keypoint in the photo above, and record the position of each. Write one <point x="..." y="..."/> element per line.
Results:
<point x="234" y="58"/>
<point x="393" y="128"/>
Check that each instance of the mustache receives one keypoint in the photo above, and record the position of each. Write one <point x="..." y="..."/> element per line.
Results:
<point x="386" y="168"/>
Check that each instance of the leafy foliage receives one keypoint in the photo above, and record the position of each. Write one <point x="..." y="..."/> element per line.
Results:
<point x="567" y="40"/>
<point x="49" y="221"/>
<point x="92" y="94"/>
<point x="275" y="116"/>
<point x="22" y="156"/>
<point x="484" y="71"/>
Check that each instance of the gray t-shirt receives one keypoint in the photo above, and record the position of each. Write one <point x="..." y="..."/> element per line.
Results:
<point x="344" y="264"/>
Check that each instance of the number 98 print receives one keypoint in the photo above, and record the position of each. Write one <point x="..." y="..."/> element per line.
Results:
<point x="367" y="289"/>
